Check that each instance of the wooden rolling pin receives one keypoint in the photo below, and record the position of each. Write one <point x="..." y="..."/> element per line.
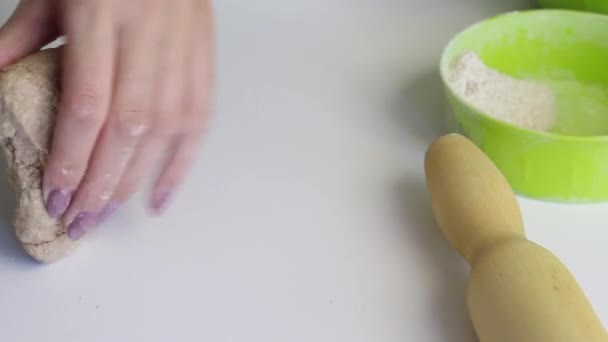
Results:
<point x="518" y="291"/>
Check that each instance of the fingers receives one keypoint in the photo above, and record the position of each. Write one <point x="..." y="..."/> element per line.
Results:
<point x="134" y="92"/>
<point x="149" y="154"/>
<point x="194" y="120"/>
<point x="128" y="120"/>
<point x="168" y="105"/>
<point x="86" y="86"/>
<point x="30" y="28"/>
<point x="175" y="170"/>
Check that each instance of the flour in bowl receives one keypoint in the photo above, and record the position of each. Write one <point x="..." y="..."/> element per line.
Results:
<point x="524" y="103"/>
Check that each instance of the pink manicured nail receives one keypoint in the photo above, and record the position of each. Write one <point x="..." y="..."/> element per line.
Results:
<point x="160" y="201"/>
<point x="58" y="202"/>
<point x="82" y="223"/>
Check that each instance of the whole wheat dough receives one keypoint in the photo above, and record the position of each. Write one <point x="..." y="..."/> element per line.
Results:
<point x="28" y="98"/>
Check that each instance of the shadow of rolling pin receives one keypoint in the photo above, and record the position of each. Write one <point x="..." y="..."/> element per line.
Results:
<point x="518" y="291"/>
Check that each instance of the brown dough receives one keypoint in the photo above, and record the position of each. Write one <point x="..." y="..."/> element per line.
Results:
<point x="28" y="99"/>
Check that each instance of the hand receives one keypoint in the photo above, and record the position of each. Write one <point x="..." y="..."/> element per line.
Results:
<point x="136" y="89"/>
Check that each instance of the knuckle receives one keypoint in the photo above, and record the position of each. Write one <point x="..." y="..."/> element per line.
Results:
<point x="195" y="121"/>
<point x="84" y="106"/>
<point x="83" y="6"/>
<point x="131" y="122"/>
<point x="65" y="173"/>
<point x="167" y="127"/>
<point x="77" y="4"/>
<point x="166" y="117"/>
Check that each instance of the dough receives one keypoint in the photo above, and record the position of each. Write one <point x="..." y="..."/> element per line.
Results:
<point x="28" y="100"/>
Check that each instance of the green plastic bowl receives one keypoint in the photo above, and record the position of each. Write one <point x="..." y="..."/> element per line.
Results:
<point x="600" y="6"/>
<point x="567" y="50"/>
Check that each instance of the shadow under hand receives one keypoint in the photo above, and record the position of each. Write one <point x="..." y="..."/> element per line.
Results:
<point x="10" y="248"/>
<point x="449" y="306"/>
<point x="420" y="107"/>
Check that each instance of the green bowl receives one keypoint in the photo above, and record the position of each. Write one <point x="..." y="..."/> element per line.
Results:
<point x="568" y="51"/>
<point x="600" y="6"/>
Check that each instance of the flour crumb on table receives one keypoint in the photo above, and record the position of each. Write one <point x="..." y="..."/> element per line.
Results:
<point x="523" y="103"/>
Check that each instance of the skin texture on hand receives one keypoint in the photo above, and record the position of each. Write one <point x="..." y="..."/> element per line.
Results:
<point x="136" y="81"/>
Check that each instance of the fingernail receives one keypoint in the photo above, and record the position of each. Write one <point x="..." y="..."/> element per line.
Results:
<point x="81" y="224"/>
<point x="160" y="201"/>
<point x="58" y="202"/>
<point x="108" y="211"/>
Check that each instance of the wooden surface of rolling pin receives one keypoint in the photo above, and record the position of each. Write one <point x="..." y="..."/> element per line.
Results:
<point x="518" y="291"/>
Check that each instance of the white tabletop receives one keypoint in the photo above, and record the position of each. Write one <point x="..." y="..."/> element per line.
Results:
<point x="306" y="218"/>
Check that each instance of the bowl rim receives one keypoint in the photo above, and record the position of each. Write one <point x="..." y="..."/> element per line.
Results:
<point x="444" y="63"/>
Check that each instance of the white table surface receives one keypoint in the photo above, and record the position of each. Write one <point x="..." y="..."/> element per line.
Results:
<point x="306" y="218"/>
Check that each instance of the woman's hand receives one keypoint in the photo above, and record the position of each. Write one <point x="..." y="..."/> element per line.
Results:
<point x="136" y="89"/>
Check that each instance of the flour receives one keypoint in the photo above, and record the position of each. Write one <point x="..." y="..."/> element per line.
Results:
<point x="524" y="103"/>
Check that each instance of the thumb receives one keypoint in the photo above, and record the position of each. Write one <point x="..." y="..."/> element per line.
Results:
<point x="30" y="28"/>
